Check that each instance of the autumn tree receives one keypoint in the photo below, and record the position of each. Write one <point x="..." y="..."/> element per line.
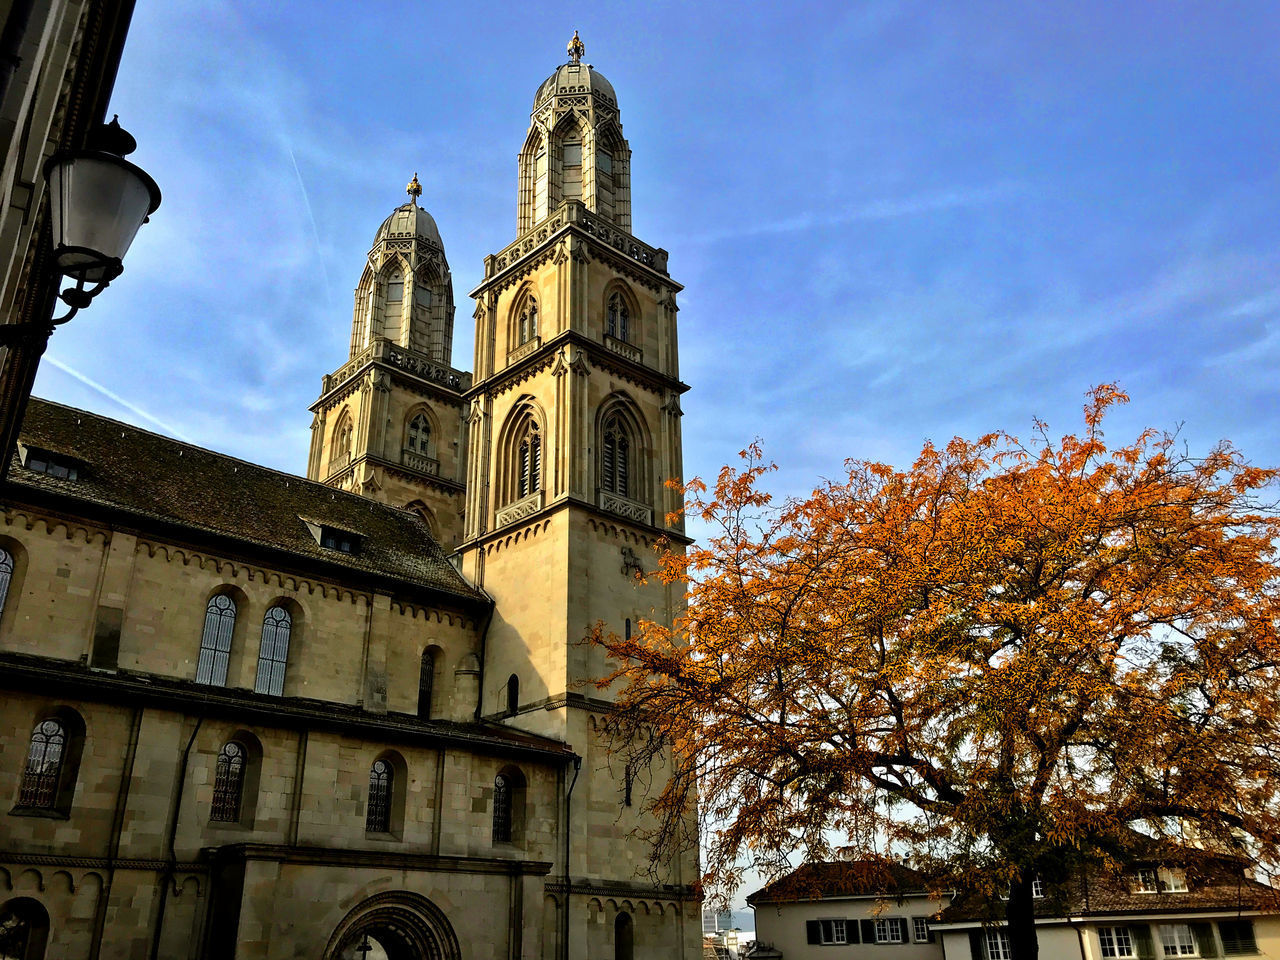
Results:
<point x="1006" y="658"/>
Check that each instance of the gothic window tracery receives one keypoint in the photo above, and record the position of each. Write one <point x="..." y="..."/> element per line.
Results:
<point x="273" y="654"/>
<point x="43" y="774"/>
<point x="215" y="641"/>
<point x="342" y="434"/>
<point x="418" y="435"/>
<point x="618" y="324"/>
<point x="528" y="323"/>
<point x="501" y="809"/>
<point x="6" y="575"/>
<point x="228" y="784"/>
<point x="378" y="813"/>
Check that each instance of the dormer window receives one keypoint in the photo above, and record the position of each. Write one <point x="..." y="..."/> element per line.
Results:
<point x="334" y="538"/>
<point x="339" y="540"/>
<point x="49" y="463"/>
<point x="1145" y="881"/>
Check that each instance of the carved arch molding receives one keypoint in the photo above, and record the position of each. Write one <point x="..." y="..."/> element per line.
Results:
<point x="408" y="926"/>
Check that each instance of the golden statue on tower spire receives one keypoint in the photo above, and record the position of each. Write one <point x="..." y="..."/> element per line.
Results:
<point x="576" y="48"/>
<point x="414" y="189"/>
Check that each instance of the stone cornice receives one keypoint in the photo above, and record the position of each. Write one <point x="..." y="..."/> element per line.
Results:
<point x="431" y="479"/>
<point x="381" y="858"/>
<point x="441" y="379"/>
<point x="24" y="672"/>
<point x="587" y="886"/>
<point x="650" y="263"/>
<point x="586" y="506"/>
<point x="600" y="355"/>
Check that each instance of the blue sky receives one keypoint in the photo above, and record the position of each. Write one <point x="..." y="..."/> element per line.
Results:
<point x="894" y="220"/>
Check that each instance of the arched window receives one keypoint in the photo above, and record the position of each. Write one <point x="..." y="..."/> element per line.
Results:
<point x="342" y="435"/>
<point x="426" y="683"/>
<point x="528" y="323"/>
<point x="6" y="575"/>
<point x="42" y="779"/>
<point x="215" y="642"/>
<point x="378" y="814"/>
<point x="273" y="654"/>
<point x="418" y="436"/>
<point x="24" y="929"/>
<point x="618" y="322"/>
<point x="228" y="783"/>
<point x="615" y="458"/>
<point x="529" y="479"/>
<point x="502" y="808"/>
<point x="623" y="936"/>
<point x="513" y="695"/>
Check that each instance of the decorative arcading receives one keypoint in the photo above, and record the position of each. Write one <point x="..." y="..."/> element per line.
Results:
<point x="29" y="522"/>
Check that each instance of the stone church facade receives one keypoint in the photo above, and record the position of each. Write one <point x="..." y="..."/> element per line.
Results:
<point x="249" y="714"/>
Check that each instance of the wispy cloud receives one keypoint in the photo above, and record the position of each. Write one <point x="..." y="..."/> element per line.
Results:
<point x="887" y="208"/>
<point x="116" y="398"/>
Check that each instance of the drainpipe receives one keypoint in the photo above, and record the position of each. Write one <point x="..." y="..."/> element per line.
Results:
<point x="484" y="646"/>
<point x="568" y="820"/>
<point x="171" y="857"/>
<point x="117" y="826"/>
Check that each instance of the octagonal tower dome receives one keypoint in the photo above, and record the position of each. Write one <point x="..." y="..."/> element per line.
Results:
<point x="405" y="293"/>
<point x="574" y="150"/>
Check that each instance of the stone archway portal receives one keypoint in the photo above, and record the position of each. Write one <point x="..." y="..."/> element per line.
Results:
<point x="394" y="926"/>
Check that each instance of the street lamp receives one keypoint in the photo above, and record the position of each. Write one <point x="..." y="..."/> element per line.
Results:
<point x="98" y="200"/>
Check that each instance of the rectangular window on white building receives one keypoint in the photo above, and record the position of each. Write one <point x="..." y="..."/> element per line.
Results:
<point x="920" y="930"/>
<point x="996" y="944"/>
<point x="891" y="930"/>
<point x="1177" y="940"/>
<point x="1117" y="943"/>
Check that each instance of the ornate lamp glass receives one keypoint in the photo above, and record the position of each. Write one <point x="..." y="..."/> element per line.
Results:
<point x="98" y="201"/>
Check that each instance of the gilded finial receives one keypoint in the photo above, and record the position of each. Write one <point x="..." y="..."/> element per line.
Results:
<point x="576" y="48"/>
<point x="414" y="189"/>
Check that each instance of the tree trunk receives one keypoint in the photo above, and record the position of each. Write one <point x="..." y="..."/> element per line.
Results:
<point x="1021" y="916"/>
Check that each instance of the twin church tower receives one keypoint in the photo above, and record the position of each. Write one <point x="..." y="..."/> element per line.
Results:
<point x="545" y="470"/>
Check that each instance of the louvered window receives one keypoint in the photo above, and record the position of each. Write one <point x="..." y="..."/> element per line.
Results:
<point x="228" y="784"/>
<point x="215" y="642"/>
<point x="501" y="809"/>
<point x="273" y="655"/>
<point x="1237" y="937"/>
<point x="378" y="817"/>
<point x="615" y="467"/>
<point x="44" y="765"/>
<point x="530" y="479"/>
<point x="571" y="171"/>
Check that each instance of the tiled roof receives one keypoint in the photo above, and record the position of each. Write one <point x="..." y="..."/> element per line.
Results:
<point x="1213" y="885"/>
<point x="842" y="878"/>
<point x="162" y="483"/>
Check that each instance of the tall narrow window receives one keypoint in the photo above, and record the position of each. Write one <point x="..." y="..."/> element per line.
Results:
<point x="43" y="774"/>
<point x="273" y="654"/>
<point x="426" y="681"/>
<point x="419" y="436"/>
<point x="571" y="170"/>
<point x="392" y="312"/>
<point x="618" y="324"/>
<point x="540" y="185"/>
<point x="228" y="783"/>
<point x="6" y="575"/>
<point x="502" y="809"/>
<point x="623" y="937"/>
<point x="378" y="816"/>
<point x="513" y="695"/>
<point x="215" y="642"/>
<point x="529" y="321"/>
<point x="530" y="451"/>
<point x="341" y="440"/>
<point x="604" y="184"/>
<point x="615" y="458"/>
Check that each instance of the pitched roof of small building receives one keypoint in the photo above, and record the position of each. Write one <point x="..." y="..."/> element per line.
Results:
<point x="174" y="488"/>
<point x="1214" y="883"/>
<point x="842" y="878"/>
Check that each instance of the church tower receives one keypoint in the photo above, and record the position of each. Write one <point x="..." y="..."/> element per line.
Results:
<point x="388" y="423"/>
<point x="573" y="432"/>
